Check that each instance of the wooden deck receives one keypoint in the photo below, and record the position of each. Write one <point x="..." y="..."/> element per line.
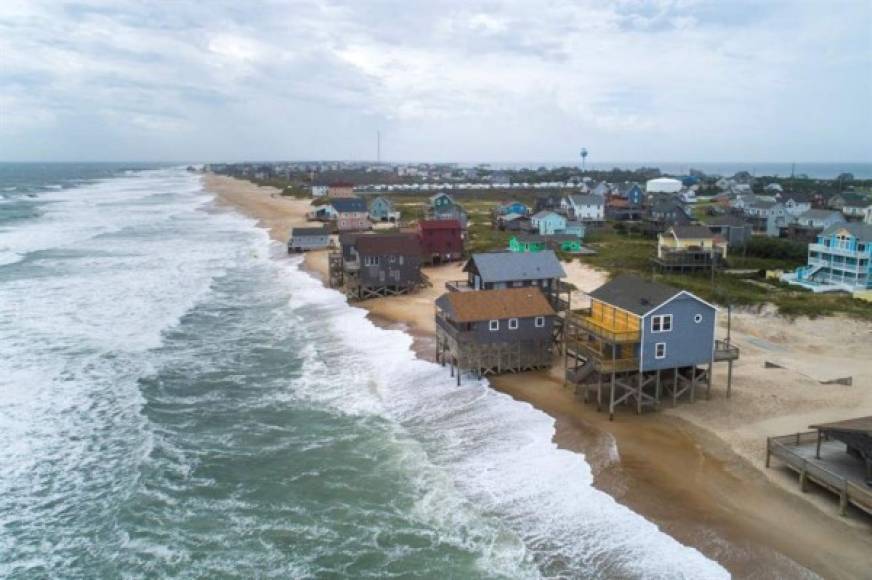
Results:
<point x="835" y="470"/>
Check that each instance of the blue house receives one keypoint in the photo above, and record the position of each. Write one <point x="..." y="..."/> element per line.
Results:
<point x="548" y="222"/>
<point x="382" y="210"/>
<point x="644" y="339"/>
<point x="512" y="207"/>
<point x="839" y="260"/>
<point x="633" y="193"/>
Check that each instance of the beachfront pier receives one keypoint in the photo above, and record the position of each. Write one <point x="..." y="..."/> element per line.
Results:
<point x="827" y="462"/>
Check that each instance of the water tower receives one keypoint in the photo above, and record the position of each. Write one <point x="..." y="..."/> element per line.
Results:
<point x="583" y="157"/>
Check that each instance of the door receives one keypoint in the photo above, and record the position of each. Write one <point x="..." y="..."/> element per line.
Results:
<point x="477" y="282"/>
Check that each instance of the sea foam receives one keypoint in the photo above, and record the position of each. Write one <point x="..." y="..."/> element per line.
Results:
<point x="498" y="453"/>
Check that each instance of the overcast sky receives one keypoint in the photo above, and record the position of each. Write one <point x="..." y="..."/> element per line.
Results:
<point x="447" y="81"/>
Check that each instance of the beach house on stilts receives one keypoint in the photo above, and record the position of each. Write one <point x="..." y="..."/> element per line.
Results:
<point x="640" y="342"/>
<point x="502" y="270"/>
<point x="494" y="331"/>
<point x="374" y="265"/>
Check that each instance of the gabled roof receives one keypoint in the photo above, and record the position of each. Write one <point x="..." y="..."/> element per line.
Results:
<point x="510" y="266"/>
<point x="862" y="232"/>
<point x="545" y="213"/>
<point x="728" y="220"/>
<point x="382" y="199"/>
<point x="439" y="224"/>
<point x="634" y="294"/>
<point x="495" y="304"/>
<point x="440" y="194"/>
<point x="321" y="231"/>
<point x="821" y="214"/>
<point x="590" y="199"/>
<point x="388" y="244"/>
<point x="348" y="204"/>
<point x="692" y="232"/>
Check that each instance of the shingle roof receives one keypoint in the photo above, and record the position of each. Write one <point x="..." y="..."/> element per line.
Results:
<point x="692" y="232"/>
<point x="439" y="224"/>
<point x="388" y="244"/>
<point x="862" y="232"/>
<point x="509" y="266"/>
<point x="590" y="199"/>
<point x="495" y="304"/>
<point x="634" y="294"/>
<point x="860" y="424"/>
<point x="820" y="214"/>
<point x="728" y="220"/>
<point x="321" y="231"/>
<point x="348" y="204"/>
<point x="545" y="213"/>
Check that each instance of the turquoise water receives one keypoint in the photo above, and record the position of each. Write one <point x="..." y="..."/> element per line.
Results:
<point x="178" y="399"/>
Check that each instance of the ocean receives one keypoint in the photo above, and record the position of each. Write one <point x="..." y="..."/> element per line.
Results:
<point x="179" y="399"/>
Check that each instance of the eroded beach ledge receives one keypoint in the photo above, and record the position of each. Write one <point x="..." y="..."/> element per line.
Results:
<point x="697" y="471"/>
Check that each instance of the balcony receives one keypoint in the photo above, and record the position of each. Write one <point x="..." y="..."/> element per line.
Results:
<point x="601" y="360"/>
<point x="603" y="329"/>
<point x="725" y="351"/>
<point x="849" y="250"/>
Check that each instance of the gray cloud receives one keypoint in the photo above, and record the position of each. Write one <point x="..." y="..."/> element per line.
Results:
<point x="497" y="80"/>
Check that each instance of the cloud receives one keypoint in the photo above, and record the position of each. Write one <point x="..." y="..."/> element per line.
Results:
<point x="472" y="80"/>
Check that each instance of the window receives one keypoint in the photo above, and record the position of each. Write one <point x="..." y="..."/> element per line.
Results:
<point x="697" y="318"/>
<point x="518" y="283"/>
<point x="660" y="350"/>
<point x="513" y="324"/>
<point x="370" y="260"/>
<point x="540" y="321"/>
<point x="493" y="325"/>
<point x="662" y="323"/>
<point x="401" y="260"/>
<point x="393" y="259"/>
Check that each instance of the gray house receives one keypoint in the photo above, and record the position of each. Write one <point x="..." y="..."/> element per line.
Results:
<point x="497" y="270"/>
<point x="373" y="265"/>
<point x="731" y="228"/>
<point x="493" y="331"/>
<point x="305" y="239"/>
<point x="644" y="339"/>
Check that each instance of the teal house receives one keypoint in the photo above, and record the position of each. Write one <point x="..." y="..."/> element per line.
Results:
<point x="548" y="222"/>
<point x="567" y="243"/>
<point x="839" y="260"/>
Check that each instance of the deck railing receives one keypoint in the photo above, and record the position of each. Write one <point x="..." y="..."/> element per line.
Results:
<point x="602" y="361"/>
<point x="585" y="321"/>
<point x="724" y="351"/>
<point x="847" y="490"/>
<point x="457" y="285"/>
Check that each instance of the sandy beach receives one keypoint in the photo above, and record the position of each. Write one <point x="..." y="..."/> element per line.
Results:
<point x="696" y="470"/>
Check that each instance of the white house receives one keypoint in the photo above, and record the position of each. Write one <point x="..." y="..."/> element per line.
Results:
<point x="765" y="209"/>
<point x="819" y="218"/>
<point x="795" y="204"/>
<point x="688" y="196"/>
<point x="587" y="207"/>
<point x="319" y="191"/>
<point x="867" y="218"/>
<point x="663" y="185"/>
<point x="856" y="210"/>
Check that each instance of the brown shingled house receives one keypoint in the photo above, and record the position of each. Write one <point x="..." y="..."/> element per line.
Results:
<point x="494" y="331"/>
<point x="373" y="265"/>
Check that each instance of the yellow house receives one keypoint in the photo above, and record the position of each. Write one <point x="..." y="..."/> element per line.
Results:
<point x="691" y="238"/>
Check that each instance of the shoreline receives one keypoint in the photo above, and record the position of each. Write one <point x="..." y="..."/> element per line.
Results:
<point x="694" y="471"/>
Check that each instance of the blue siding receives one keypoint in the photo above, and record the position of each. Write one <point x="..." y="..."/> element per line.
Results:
<point x="688" y="343"/>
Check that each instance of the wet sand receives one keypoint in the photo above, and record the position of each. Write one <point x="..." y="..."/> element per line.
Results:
<point x="694" y="471"/>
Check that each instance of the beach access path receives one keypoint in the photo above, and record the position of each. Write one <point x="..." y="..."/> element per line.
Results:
<point x="696" y="470"/>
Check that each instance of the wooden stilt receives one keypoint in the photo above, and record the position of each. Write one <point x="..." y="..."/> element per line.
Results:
<point x="708" y="388"/>
<point x="729" y="378"/>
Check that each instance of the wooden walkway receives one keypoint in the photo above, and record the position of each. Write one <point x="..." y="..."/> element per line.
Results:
<point x="833" y="469"/>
